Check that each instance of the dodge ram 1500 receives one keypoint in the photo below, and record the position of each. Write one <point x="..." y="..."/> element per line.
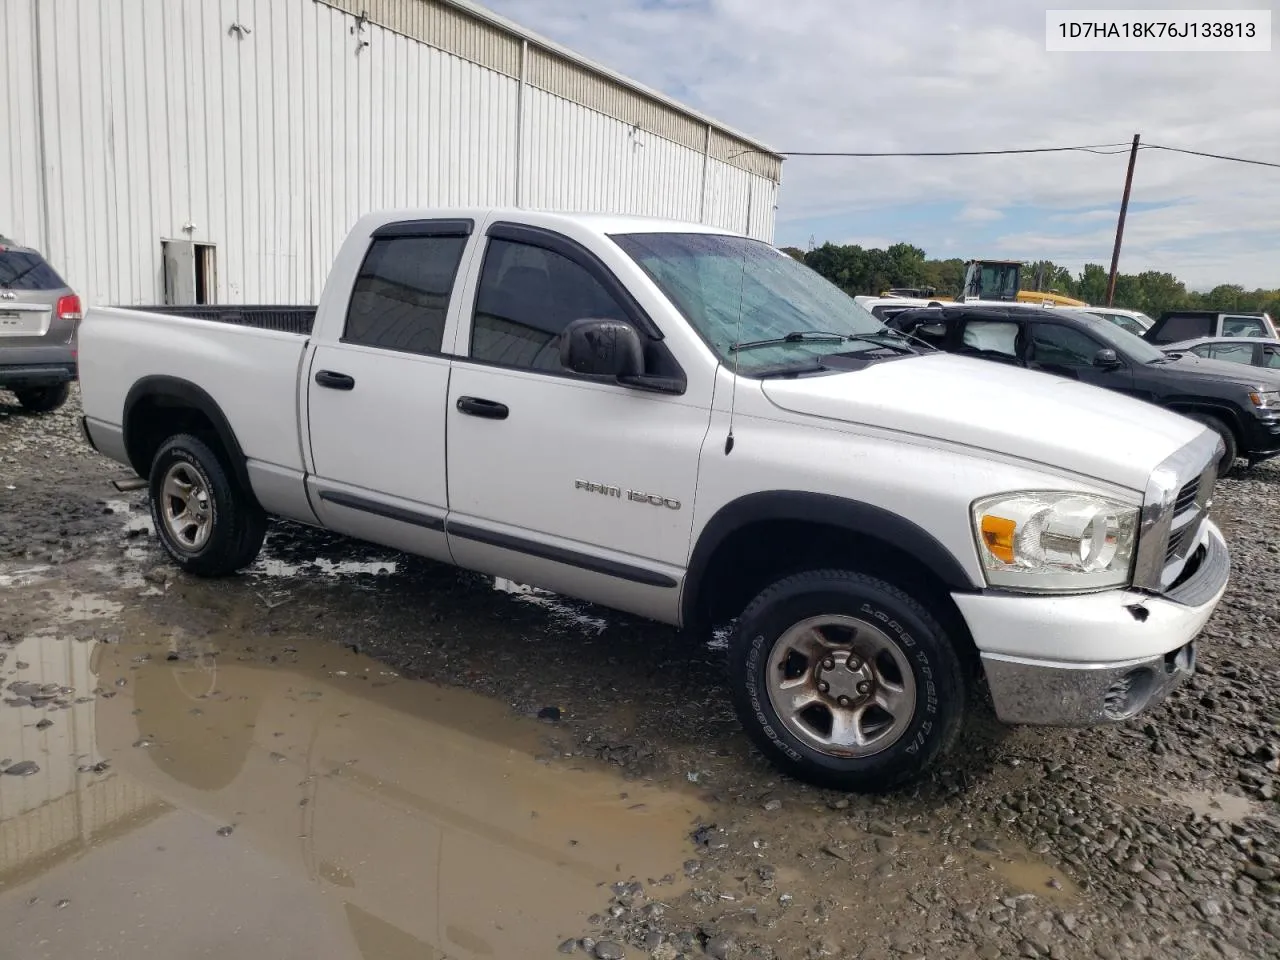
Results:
<point x="687" y="424"/>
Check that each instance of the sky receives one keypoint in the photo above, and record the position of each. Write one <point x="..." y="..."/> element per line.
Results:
<point x="910" y="75"/>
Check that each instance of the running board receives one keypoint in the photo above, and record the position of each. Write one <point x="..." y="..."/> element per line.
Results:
<point x="129" y="485"/>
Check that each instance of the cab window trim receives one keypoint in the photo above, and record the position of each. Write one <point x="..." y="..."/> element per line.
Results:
<point x="412" y="229"/>
<point x="579" y="255"/>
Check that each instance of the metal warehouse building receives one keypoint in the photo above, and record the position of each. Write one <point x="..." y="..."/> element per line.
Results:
<point x="218" y="150"/>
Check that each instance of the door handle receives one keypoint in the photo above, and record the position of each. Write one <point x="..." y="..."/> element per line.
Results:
<point x="335" y="381"/>
<point x="489" y="409"/>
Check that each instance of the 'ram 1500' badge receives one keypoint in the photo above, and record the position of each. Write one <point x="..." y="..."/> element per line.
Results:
<point x="635" y="496"/>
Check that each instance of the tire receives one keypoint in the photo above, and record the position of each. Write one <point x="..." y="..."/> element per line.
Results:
<point x="894" y="632"/>
<point x="1220" y="427"/>
<point x="224" y="528"/>
<point x="43" y="399"/>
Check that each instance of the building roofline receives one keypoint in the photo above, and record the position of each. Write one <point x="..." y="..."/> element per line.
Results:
<point x="523" y="33"/>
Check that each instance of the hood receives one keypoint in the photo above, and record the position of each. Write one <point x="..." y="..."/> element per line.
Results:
<point x="1223" y="371"/>
<point x="1034" y="416"/>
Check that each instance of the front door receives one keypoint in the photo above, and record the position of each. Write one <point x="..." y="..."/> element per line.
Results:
<point x="557" y="480"/>
<point x="376" y="398"/>
<point x="1068" y="352"/>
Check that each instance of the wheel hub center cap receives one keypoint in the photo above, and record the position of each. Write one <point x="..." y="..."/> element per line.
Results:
<point x="845" y="678"/>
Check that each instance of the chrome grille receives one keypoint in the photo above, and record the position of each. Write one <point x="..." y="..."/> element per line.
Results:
<point x="1186" y="496"/>
<point x="1177" y="501"/>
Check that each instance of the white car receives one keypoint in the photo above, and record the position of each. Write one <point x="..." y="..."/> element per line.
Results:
<point x="1135" y="321"/>
<point x="687" y="424"/>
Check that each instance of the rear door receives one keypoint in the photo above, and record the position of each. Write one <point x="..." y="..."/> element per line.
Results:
<point x="29" y="293"/>
<point x="376" y="398"/>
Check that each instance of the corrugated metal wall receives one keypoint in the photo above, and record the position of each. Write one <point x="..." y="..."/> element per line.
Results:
<point x="20" y="181"/>
<point x="161" y="121"/>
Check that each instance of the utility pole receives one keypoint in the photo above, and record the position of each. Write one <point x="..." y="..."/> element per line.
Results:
<point x="1124" y="209"/>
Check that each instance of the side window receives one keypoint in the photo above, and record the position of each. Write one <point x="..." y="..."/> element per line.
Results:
<point x="1204" y="350"/>
<point x="1243" y="327"/>
<point x="1271" y="356"/>
<point x="1126" y="323"/>
<point x="527" y="296"/>
<point x="1232" y="352"/>
<point x="991" y="336"/>
<point x="1062" y="346"/>
<point x="401" y="295"/>
<point x="1178" y="328"/>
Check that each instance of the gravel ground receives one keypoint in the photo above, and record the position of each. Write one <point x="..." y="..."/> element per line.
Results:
<point x="1156" y="838"/>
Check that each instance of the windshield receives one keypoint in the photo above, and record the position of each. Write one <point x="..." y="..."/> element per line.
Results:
<point x="734" y="290"/>
<point x="1124" y="342"/>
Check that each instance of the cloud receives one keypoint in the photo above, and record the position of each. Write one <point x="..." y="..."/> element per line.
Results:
<point x="977" y="214"/>
<point x="966" y="74"/>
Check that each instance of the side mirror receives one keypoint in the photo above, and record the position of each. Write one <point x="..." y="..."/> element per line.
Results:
<point x="602" y="348"/>
<point x="1106" y="358"/>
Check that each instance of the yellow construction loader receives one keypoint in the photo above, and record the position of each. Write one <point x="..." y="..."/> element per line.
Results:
<point x="998" y="280"/>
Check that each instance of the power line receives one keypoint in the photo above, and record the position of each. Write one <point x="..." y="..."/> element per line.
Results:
<point x="1102" y="148"/>
<point x="1214" y="156"/>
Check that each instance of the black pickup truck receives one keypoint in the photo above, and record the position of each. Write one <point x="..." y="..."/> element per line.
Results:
<point x="1242" y="404"/>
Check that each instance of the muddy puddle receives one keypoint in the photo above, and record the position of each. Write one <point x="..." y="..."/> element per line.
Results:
<point x="222" y="792"/>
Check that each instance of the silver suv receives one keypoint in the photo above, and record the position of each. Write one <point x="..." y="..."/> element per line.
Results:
<point x="39" y="316"/>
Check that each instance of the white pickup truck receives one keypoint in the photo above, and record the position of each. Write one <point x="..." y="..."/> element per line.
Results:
<point x="687" y="424"/>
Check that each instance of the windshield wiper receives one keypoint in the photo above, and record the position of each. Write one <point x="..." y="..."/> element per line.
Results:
<point x="789" y="369"/>
<point x="889" y="338"/>
<point x="795" y="336"/>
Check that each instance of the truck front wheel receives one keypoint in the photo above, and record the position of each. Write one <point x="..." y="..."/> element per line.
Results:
<point x="845" y="681"/>
<point x="207" y="524"/>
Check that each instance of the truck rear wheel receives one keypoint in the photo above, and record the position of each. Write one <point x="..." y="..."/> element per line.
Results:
<point x="43" y="399"/>
<point x="845" y="681"/>
<point x="207" y="524"/>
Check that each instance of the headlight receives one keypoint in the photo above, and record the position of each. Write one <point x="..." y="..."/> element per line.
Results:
<point x="1266" y="399"/>
<point x="1055" y="542"/>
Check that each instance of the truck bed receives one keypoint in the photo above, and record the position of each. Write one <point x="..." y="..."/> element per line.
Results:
<point x="283" y="319"/>
<point x="246" y="359"/>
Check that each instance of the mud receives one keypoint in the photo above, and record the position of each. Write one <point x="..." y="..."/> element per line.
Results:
<point x="362" y="727"/>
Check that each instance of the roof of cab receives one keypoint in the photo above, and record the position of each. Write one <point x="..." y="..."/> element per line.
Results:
<point x="603" y="223"/>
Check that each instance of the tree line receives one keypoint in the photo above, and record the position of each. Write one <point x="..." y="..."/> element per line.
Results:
<point x="858" y="270"/>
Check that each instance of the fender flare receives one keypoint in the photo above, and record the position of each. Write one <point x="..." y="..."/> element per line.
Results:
<point x="165" y="391"/>
<point x="853" y="516"/>
<point x="1223" y="411"/>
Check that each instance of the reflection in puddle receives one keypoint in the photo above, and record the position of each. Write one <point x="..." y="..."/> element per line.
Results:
<point x="269" y="567"/>
<point x="1028" y="875"/>
<point x="23" y="577"/>
<point x="1224" y="807"/>
<point x="231" y="794"/>
<point x="558" y="609"/>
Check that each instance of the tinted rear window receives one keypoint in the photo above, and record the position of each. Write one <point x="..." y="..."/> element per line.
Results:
<point x="1185" y="327"/>
<point x="27" y="271"/>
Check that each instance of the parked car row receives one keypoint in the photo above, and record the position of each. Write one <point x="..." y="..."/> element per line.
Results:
<point x="1241" y="406"/>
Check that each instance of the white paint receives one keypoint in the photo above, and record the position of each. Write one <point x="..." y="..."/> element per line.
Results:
<point x="163" y="124"/>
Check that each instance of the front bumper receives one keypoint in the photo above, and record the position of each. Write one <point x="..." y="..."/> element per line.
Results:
<point x="1261" y="439"/>
<point x="1094" y="658"/>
